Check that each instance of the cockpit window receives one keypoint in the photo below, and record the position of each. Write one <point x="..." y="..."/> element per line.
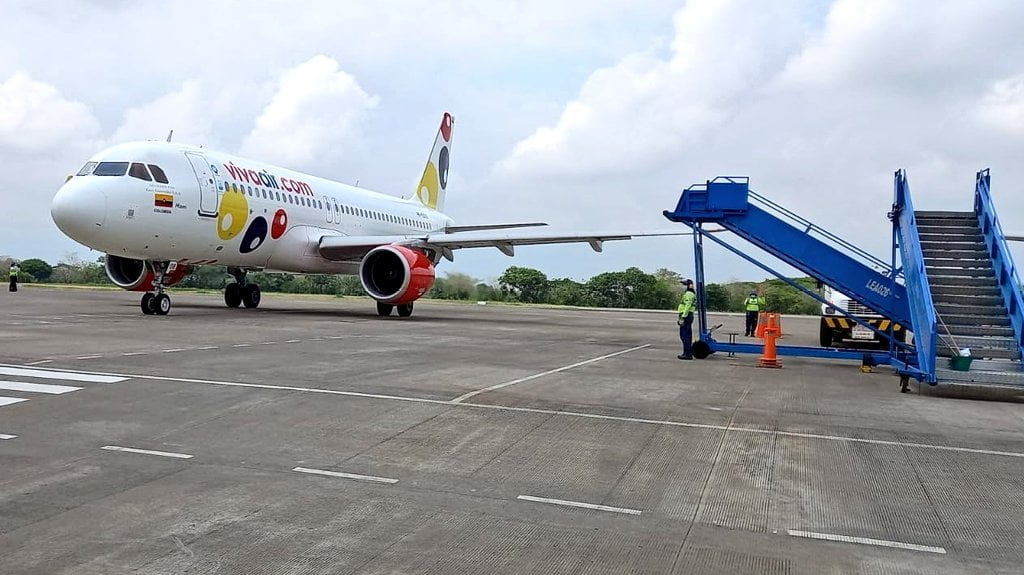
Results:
<point x="139" y="171"/>
<point x="158" y="173"/>
<point x="110" y="169"/>
<point x="86" y="169"/>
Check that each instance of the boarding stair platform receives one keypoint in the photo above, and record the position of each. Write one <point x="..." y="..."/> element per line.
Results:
<point x="950" y="277"/>
<point x="975" y="291"/>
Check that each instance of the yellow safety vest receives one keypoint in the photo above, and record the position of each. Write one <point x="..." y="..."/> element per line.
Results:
<point x="687" y="305"/>
<point x="754" y="303"/>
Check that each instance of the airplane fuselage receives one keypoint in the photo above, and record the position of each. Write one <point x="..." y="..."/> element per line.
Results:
<point x="159" y="201"/>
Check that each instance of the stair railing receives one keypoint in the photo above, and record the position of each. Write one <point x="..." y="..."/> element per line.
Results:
<point x="1002" y="262"/>
<point x="813" y="229"/>
<point x="922" y="308"/>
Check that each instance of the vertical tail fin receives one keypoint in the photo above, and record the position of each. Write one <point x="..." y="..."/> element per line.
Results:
<point x="435" y="175"/>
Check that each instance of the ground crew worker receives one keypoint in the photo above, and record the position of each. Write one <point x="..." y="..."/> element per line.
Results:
<point x="685" y="321"/>
<point x="753" y="304"/>
<point x="13" y="274"/>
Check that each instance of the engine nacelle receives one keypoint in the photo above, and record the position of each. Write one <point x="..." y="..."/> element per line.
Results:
<point x="136" y="275"/>
<point x="396" y="274"/>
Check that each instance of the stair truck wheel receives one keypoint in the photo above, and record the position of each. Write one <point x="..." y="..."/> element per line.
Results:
<point x="701" y="349"/>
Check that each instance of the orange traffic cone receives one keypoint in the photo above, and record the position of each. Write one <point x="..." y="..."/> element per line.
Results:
<point x="762" y="323"/>
<point x="777" y="324"/>
<point x="769" y="357"/>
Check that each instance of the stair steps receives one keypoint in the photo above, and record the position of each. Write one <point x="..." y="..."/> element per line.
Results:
<point x="967" y="301"/>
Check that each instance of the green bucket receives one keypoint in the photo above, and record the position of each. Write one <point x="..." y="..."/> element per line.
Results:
<point x="960" y="363"/>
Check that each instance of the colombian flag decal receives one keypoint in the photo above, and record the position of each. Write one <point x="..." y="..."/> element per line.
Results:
<point x="163" y="200"/>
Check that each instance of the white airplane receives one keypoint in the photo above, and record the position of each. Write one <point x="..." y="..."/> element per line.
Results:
<point x="158" y="208"/>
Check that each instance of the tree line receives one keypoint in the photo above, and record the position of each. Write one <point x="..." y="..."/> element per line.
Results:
<point x="631" y="288"/>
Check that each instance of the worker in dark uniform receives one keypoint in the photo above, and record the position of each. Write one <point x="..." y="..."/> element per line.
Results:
<point x="686" y="308"/>
<point x="13" y="274"/>
<point x="753" y="304"/>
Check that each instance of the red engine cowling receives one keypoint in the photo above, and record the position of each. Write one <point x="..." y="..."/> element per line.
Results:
<point x="396" y="274"/>
<point x="136" y="275"/>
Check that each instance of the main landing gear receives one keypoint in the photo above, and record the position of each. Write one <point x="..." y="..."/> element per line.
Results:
<point x="241" y="292"/>
<point x="157" y="302"/>
<point x="384" y="309"/>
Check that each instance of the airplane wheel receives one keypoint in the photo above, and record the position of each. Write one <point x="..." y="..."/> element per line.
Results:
<point x="161" y="304"/>
<point x="701" y="349"/>
<point x="233" y="295"/>
<point x="405" y="310"/>
<point x="147" y="304"/>
<point x="384" y="309"/>
<point x="251" y="295"/>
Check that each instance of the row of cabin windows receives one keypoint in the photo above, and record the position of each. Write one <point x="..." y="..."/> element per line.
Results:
<point x="276" y="196"/>
<point x="133" y="169"/>
<point x="338" y="208"/>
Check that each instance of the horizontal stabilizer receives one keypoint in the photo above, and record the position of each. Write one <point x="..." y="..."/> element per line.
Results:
<point x="459" y="229"/>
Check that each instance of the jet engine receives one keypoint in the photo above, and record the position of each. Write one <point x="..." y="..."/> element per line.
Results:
<point x="137" y="275"/>
<point x="396" y="274"/>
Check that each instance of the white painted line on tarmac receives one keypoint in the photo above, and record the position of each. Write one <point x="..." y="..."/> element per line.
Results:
<point x="89" y="357"/>
<point x="241" y="345"/>
<point x="147" y="452"/>
<point x="579" y="504"/>
<point x="62" y="374"/>
<point x="466" y="396"/>
<point x="11" y="400"/>
<point x="206" y="347"/>
<point x="665" y="422"/>
<point x="4" y="436"/>
<point x="40" y="362"/>
<point x="866" y="541"/>
<point x="174" y="350"/>
<point x="132" y="353"/>
<point x="37" y="387"/>
<point x="355" y="476"/>
<point x="293" y="341"/>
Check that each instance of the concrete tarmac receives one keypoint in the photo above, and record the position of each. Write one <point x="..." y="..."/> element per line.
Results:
<point x="311" y="436"/>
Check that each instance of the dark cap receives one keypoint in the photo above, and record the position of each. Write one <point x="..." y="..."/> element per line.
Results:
<point x="686" y="282"/>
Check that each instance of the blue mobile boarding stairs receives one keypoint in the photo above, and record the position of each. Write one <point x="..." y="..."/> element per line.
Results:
<point x="898" y="289"/>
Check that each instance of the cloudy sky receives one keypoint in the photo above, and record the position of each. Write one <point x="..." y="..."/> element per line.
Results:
<point x="592" y="116"/>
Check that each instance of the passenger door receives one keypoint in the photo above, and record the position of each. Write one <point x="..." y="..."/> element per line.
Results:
<point x="207" y="187"/>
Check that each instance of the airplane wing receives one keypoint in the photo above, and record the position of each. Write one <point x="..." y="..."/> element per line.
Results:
<point x="340" y="248"/>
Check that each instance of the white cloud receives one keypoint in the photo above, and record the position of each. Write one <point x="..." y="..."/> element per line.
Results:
<point x="1002" y="108"/>
<point x="316" y="113"/>
<point x="188" y="111"/>
<point x="36" y="118"/>
<point x="637" y="114"/>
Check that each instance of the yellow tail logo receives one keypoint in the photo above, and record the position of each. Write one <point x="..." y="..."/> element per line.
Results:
<point x="435" y="175"/>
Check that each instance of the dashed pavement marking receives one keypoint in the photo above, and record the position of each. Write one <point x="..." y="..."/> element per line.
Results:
<point x="147" y="452"/>
<point x="866" y="541"/>
<point x="580" y="504"/>
<point x="356" y="476"/>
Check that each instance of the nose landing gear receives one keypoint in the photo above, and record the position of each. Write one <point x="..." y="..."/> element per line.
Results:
<point x="241" y="292"/>
<point x="157" y="302"/>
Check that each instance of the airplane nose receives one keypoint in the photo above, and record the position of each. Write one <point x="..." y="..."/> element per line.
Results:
<point x="79" y="211"/>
